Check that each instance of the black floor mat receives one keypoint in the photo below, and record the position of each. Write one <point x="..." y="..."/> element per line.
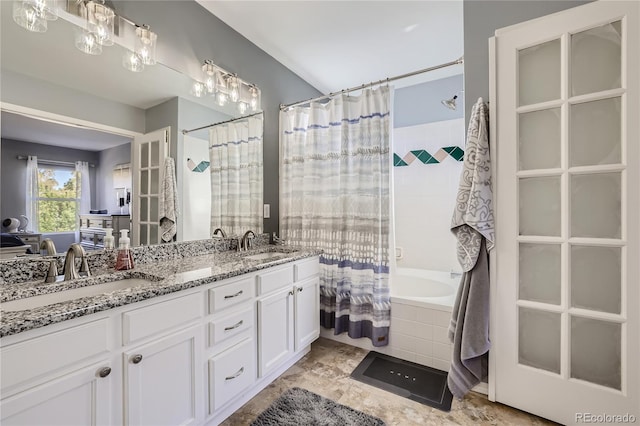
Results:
<point x="408" y="379"/>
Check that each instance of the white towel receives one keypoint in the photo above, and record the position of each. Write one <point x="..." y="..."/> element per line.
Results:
<point x="169" y="211"/>
<point x="473" y="214"/>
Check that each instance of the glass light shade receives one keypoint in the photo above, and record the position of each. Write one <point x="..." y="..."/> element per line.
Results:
<point x="132" y="62"/>
<point x="46" y="9"/>
<point x="100" y="21"/>
<point x="221" y="98"/>
<point x="87" y="42"/>
<point x="198" y="89"/>
<point x="209" y="76"/>
<point x="234" y="93"/>
<point x="28" y="18"/>
<point x="242" y="107"/>
<point x="255" y="98"/>
<point x="146" y="45"/>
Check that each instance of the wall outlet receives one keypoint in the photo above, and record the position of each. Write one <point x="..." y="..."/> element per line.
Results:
<point x="266" y="211"/>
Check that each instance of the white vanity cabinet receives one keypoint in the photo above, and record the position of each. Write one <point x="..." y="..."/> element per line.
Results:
<point x="189" y="357"/>
<point x="288" y="313"/>
<point x="63" y="377"/>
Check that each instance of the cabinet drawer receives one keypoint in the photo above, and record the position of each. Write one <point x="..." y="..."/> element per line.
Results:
<point x="270" y="281"/>
<point x="230" y="294"/>
<point x="30" y="239"/>
<point x="230" y="373"/>
<point x="306" y="269"/>
<point x="46" y="354"/>
<point x="221" y="329"/>
<point x="160" y="317"/>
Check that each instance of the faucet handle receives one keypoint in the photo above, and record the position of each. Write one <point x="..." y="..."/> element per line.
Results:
<point x="52" y="273"/>
<point x="84" y="266"/>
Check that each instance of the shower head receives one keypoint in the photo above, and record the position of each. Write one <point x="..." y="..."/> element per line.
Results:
<point x="450" y="103"/>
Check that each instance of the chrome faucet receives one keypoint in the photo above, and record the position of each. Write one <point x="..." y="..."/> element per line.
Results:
<point x="47" y="244"/>
<point x="245" y="243"/>
<point x="222" y="233"/>
<point x="70" y="271"/>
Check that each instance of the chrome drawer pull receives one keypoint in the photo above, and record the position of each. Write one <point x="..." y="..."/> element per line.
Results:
<point x="236" y="325"/>
<point x="235" y="375"/>
<point x="231" y="296"/>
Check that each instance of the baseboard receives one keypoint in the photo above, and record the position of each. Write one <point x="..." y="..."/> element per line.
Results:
<point x="260" y="384"/>
<point x="482" y="388"/>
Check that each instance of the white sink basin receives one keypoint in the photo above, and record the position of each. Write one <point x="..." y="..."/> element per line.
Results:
<point x="268" y="255"/>
<point x="72" y="294"/>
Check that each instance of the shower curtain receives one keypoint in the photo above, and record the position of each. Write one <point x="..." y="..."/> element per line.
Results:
<point x="31" y="207"/>
<point x="235" y="154"/>
<point x="335" y="197"/>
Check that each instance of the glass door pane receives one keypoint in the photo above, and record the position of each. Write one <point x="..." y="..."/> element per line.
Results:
<point x="539" y="73"/>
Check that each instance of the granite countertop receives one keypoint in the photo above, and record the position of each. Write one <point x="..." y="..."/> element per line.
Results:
<point x="164" y="278"/>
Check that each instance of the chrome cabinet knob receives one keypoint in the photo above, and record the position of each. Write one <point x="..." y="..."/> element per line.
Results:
<point x="136" y="359"/>
<point x="104" y="372"/>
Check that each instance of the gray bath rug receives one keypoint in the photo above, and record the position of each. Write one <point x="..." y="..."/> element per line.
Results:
<point x="298" y="406"/>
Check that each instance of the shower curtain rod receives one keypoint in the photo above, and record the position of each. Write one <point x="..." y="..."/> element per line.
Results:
<point x="52" y="162"/>
<point x="184" y="132"/>
<point x="460" y="60"/>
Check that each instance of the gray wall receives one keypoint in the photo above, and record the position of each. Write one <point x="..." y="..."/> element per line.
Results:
<point x="13" y="177"/>
<point x="30" y="92"/>
<point x="189" y="34"/>
<point x="108" y="158"/>
<point x="481" y="19"/>
<point x="421" y="104"/>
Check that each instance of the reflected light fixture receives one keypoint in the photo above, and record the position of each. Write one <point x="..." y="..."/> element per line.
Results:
<point x="235" y="91"/>
<point x="209" y="75"/>
<point x="33" y="15"/>
<point x="450" y="103"/>
<point x="132" y="61"/>
<point x="100" y="22"/>
<point x="87" y="42"/>
<point x="255" y="99"/>
<point x="198" y="89"/>
<point x="242" y="107"/>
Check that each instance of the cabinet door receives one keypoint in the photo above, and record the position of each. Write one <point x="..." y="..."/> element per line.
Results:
<point x="79" y="398"/>
<point x="307" y="312"/>
<point x="275" y="330"/>
<point x="164" y="381"/>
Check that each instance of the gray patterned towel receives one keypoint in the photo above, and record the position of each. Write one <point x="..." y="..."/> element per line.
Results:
<point x="168" y="201"/>
<point x="473" y="214"/>
<point x="472" y="224"/>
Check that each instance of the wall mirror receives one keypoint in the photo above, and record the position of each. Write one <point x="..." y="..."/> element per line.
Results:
<point x="47" y="83"/>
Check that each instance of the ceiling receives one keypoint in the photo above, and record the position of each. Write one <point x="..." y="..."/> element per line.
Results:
<point x="27" y="129"/>
<point x="334" y="45"/>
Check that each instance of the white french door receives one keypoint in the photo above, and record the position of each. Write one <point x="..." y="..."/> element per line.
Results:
<point x="148" y="153"/>
<point x="565" y="328"/>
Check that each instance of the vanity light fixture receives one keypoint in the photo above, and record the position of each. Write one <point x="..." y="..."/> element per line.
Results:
<point x="132" y="61"/>
<point x="224" y="87"/>
<point x="87" y="42"/>
<point x="100" y="22"/>
<point x="146" y="44"/>
<point x="33" y="15"/>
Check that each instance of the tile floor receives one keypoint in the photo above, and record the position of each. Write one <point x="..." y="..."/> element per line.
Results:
<point x="325" y="371"/>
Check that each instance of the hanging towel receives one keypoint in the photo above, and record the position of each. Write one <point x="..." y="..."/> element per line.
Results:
<point x="473" y="225"/>
<point x="168" y="201"/>
<point x="473" y="214"/>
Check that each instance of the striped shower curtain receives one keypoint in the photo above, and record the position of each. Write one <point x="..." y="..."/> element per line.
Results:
<point x="235" y="154"/>
<point x="335" y="197"/>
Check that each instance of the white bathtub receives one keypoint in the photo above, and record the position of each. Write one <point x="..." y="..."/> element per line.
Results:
<point x="419" y="287"/>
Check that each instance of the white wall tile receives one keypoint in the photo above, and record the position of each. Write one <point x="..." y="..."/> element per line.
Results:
<point x="440" y="364"/>
<point x="440" y="334"/>
<point x="441" y="318"/>
<point x="424" y="360"/>
<point x="425" y="315"/>
<point x="403" y="342"/>
<point x="424" y="347"/>
<point x="406" y="355"/>
<point x="423" y="331"/>
<point x="402" y="311"/>
<point x="441" y="351"/>
<point x="402" y="326"/>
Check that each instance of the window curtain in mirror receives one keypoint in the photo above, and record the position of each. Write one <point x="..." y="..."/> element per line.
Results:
<point x="235" y="154"/>
<point x="335" y="180"/>
<point x="31" y="207"/>
<point x="83" y="191"/>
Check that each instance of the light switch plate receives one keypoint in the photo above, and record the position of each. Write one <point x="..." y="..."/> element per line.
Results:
<point x="266" y="213"/>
